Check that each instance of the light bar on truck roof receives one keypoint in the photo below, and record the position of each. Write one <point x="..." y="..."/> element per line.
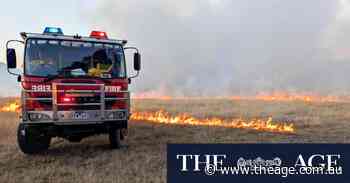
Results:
<point x="53" y="30"/>
<point x="99" y="35"/>
<point x="57" y="33"/>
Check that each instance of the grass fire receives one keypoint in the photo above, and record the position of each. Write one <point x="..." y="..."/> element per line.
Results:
<point x="274" y="96"/>
<point x="12" y="106"/>
<point x="164" y="117"/>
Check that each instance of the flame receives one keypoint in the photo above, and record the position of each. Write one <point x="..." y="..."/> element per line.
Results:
<point x="288" y="97"/>
<point x="276" y="96"/>
<point x="151" y="95"/>
<point x="186" y="119"/>
<point x="11" y="107"/>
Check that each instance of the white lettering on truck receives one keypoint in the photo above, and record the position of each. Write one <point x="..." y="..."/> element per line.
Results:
<point x="112" y="89"/>
<point x="41" y="88"/>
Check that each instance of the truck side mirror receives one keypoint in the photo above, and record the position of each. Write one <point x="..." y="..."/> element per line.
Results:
<point x="11" y="58"/>
<point x="137" y="61"/>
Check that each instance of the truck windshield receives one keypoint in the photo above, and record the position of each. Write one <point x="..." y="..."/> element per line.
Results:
<point x="74" y="58"/>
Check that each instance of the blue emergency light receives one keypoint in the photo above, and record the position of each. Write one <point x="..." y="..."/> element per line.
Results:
<point x="53" y="30"/>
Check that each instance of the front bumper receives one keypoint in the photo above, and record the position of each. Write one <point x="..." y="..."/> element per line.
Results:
<point x="75" y="117"/>
<point x="75" y="129"/>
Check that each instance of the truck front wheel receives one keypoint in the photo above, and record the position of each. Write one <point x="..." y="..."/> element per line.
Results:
<point x="32" y="140"/>
<point x="115" y="138"/>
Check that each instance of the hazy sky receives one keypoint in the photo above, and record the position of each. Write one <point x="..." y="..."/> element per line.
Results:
<point x="34" y="15"/>
<point x="210" y="47"/>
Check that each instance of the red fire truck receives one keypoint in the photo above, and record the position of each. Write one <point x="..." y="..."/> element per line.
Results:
<point x="72" y="87"/>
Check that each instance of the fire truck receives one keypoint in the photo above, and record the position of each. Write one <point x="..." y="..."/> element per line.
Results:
<point x="73" y="87"/>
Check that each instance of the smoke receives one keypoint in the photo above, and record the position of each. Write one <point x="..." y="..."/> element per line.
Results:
<point x="224" y="47"/>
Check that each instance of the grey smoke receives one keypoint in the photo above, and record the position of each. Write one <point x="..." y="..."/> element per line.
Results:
<point x="213" y="47"/>
<point x="8" y="83"/>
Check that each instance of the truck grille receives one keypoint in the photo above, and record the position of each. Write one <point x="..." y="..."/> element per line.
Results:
<point x="78" y="97"/>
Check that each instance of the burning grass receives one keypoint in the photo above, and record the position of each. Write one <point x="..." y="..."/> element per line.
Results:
<point x="274" y="96"/>
<point x="12" y="106"/>
<point x="164" y="117"/>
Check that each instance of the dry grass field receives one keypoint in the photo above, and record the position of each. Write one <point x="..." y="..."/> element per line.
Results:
<point x="143" y="157"/>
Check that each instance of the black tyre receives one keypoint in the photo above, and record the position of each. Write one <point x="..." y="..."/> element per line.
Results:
<point x="32" y="140"/>
<point x="114" y="138"/>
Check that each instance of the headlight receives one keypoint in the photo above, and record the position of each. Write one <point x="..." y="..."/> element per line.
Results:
<point x="38" y="117"/>
<point x="120" y="114"/>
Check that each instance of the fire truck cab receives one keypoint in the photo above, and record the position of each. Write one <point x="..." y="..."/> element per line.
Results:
<point x="72" y="87"/>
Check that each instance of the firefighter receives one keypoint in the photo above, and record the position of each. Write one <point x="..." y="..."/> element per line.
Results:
<point x="100" y="64"/>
